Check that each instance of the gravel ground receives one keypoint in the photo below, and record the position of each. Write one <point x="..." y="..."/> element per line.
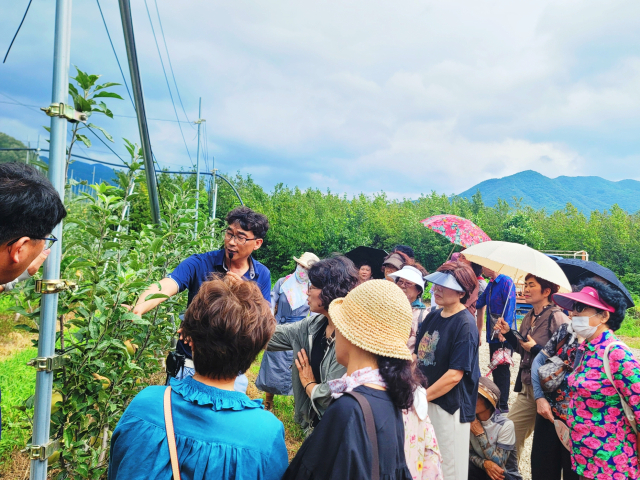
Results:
<point x="525" y="458"/>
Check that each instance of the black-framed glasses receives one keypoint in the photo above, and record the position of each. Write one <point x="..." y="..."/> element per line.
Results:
<point x="49" y="241"/>
<point x="239" y="240"/>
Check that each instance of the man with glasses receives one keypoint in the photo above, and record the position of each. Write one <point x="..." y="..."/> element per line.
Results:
<point x="29" y="209"/>
<point x="245" y="233"/>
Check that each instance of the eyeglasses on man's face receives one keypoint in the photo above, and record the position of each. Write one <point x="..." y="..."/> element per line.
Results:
<point x="240" y="238"/>
<point x="50" y="240"/>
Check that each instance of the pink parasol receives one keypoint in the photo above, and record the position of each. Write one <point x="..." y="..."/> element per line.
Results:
<point x="457" y="229"/>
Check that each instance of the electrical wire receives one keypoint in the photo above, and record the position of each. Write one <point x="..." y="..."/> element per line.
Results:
<point x="116" y="55"/>
<point x="167" y="80"/>
<point x="17" y="31"/>
<point x="170" y="65"/>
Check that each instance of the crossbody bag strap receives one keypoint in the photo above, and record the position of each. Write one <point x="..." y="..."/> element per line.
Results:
<point x="171" y="436"/>
<point x="562" y="342"/>
<point x="370" y="425"/>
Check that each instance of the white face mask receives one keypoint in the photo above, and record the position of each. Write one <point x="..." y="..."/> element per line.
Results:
<point x="582" y="328"/>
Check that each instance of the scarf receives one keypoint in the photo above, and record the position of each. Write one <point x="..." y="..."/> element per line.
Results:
<point x="348" y="382"/>
<point x="296" y="288"/>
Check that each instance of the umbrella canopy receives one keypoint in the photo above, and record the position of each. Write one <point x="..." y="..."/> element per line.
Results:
<point x="457" y="229"/>
<point x="369" y="255"/>
<point x="577" y="270"/>
<point x="517" y="261"/>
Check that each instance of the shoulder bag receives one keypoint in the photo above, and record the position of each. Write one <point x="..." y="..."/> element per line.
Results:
<point x="370" y="425"/>
<point x="171" y="436"/>
<point x="554" y="370"/>
<point x="628" y="412"/>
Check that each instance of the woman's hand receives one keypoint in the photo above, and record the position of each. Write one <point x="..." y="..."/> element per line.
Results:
<point x="502" y="326"/>
<point x="476" y="427"/>
<point x="493" y="470"/>
<point x="528" y="345"/>
<point x="544" y="409"/>
<point x="304" y="370"/>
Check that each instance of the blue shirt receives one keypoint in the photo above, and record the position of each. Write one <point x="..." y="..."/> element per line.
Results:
<point x="219" y="434"/>
<point x="195" y="270"/>
<point x="499" y="292"/>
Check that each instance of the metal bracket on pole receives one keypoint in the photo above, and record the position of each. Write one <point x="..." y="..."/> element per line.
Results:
<point x="55" y="286"/>
<point x="42" y="452"/>
<point x="48" y="364"/>
<point x="65" y="111"/>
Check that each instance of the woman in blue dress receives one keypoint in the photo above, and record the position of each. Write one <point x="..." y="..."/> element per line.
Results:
<point x="214" y="431"/>
<point x="289" y="300"/>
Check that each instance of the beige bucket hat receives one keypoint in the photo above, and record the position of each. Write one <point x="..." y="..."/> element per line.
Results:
<point x="375" y="316"/>
<point x="307" y="259"/>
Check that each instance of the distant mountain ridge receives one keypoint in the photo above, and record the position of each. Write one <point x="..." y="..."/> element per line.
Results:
<point x="585" y="193"/>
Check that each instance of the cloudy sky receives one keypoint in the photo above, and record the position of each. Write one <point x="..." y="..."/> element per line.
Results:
<point x="360" y="96"/>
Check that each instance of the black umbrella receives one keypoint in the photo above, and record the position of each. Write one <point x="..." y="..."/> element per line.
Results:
<point x="370" y="256"/>
<point x="577" y="270"/>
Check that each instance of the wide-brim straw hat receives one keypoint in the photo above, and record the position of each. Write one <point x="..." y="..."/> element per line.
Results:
<point x="307" y="259"/>
<point x="376" y="317"/>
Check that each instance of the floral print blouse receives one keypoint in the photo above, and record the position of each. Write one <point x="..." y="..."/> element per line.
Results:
<point x="604" y="444"/>
<point x="420" y="445"/>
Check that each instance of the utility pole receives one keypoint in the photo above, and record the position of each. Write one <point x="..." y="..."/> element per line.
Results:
<point x="130" y="42"/>
<point x="41" y="446"/>
<point x="199" y="122"/>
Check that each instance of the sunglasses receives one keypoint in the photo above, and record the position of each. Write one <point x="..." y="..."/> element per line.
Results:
<point x="581" y="307"/>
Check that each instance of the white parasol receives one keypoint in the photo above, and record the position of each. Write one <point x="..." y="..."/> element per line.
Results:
<point x="517" y="261"/>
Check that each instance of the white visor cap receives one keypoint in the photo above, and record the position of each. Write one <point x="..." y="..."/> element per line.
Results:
<point x="444" y="280"/>
<point x="409" y="273"/>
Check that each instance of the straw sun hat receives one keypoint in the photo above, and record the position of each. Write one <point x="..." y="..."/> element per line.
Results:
<point x="375" y="316"/>
<point x="306" y="259"/>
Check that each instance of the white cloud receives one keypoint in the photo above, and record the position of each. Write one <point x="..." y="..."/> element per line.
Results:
<point x="338" y="94"/>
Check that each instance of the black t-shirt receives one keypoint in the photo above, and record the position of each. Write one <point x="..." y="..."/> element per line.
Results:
<point x="317" y="351"/>
<point x="339" y="447"/>
<point x="451" y="344"/>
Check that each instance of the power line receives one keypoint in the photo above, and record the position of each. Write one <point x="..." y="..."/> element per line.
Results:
<point x="121" y="116"/>
<point x="116" y="55"/>
<point x="170" y="65"/>
<point x="167" y="80"/>
<point x="17" y="31"/>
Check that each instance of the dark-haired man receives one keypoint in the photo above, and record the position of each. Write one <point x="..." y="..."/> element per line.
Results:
<point x="29" y="209"/>
<point x="245" y="233"/>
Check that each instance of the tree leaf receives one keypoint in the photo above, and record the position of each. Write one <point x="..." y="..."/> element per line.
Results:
<point x="108" y="94"/>
<point x="106" y="85"/>
<point x="104" y="132"/>
<point x="84" y="139"/>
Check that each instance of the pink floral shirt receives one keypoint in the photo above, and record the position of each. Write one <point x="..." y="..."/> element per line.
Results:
<point x="604" y="444"/>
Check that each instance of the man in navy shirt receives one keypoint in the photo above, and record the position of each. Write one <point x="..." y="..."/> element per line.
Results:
<point x="245" y="233"/>
<point x="500" y="299"/>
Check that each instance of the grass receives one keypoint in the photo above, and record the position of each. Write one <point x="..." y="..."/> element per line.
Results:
<point x="17" y="382"/>
<point x="630" y="331"/>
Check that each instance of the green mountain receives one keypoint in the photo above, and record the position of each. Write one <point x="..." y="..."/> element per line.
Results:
<point x="585" y="193"/>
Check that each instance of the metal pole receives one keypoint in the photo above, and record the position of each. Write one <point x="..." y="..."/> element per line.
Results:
<point x="93" y="176"/>
<point x="49" y="303"/>
<point x="130" y="42"/>
<point x="199" y="122"/>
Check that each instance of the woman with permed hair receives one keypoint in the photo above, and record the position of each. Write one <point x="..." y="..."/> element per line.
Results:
<point x="604" y="438"/>
<point x="447" y="354"/>
<point x="199" y="426"/>
<point x="312" y="340"/>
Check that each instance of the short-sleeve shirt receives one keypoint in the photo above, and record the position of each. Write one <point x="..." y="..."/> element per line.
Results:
<point x="451" y="343"/>
<point x="192" y="272"/>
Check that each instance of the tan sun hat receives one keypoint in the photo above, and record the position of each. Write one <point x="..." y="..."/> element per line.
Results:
<point x="307" y="259"/>
<point x="375" y="316"/>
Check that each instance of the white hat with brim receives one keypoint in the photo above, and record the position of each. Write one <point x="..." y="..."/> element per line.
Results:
<point x="307" y="259"/>
<point x="445" y="280"/>
<point x="411" y="274"/>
